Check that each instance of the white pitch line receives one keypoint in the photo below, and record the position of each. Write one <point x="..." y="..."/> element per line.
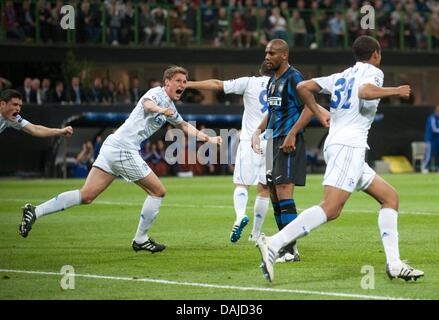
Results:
<point x="211" y="286"/>
<point x="185" y="205"/>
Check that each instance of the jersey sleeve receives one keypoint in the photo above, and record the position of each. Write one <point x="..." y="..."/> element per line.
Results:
<point x="326" y="83"/>
<point x="374" y="76"/>
<point x="19" y="124"/>
<point x="236" y="86"/>
<point x="175" y="119"/>
<point x="151" y="96"/>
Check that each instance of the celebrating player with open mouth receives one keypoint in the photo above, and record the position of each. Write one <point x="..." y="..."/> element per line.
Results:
<point x="119" y="156"/>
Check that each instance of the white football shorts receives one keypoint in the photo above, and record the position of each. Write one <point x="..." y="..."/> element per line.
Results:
<point x="346" y="168"/>
<point x="125" y="163"/>
<point x="249" y="166"/>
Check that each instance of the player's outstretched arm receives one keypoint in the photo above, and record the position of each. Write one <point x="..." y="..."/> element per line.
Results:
<point x="256" y="141"/>
<point x="211" y="84"/>
<point x="151" y="106"/>
<point x="44" y="132"/>
<point x="306" y="90"/>
<point x="370" y="91"/>
<point x="194" y="132"/>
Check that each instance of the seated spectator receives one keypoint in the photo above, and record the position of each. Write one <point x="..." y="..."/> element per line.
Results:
<point x="278" y="25"/>
<point x="29" y="95"/>
<point x="127" y="24"/>
<point x="95" y="93"/>
<point x="251" y="23"/>
<point x="11" y="22"/>
<point x="239" y="30"/>
<point x="114" y="23"/>
<point x="222" y="28"/>
<point x="37" y="89"/>
<point x="337" y="30"/>
<point x="181" y="32"/>
<point x="44" y="17"/>
<point x="75" y="94"/>
<point x="298" y="29"/>
<point x="146" y="23"/>
<point x="122" y="95"/>
<point x="155" y="159"/>
<point x="84" y="160"/>
<point x="58" y="95"/>
<point x="135" y="92"/>
<point x="434" y="28"/>
<point x="159" y="15"/>
<point x="57" y="33"/>
<point x="209" y="16"/>
<point x="27" y="20"/>
<point x="110" y="93"/>
<point x="45" y="90"/>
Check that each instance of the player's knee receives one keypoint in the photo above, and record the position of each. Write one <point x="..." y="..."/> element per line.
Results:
<point x="332" y="211"/>
<point x="87" y="198"/>
<point x="159" y="192"/>
<point x="392" y="201"/>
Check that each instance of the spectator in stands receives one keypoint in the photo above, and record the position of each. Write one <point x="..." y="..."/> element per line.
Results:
<point x="337" y="30"/>
<point x="84" y="160"/>
<point x="122" y="95"/>
<point x="239" y="31"/>
<point x="221" y="28"/>
<point x="4" y="84"/>
<point x="110" y="93"/>
<point x="434" y="28"/>
<point x="89" y="20"/>
<point x="29" y="95"/>
<point x="127" y="27"/>
<point x="297" y="29"/>
<point x="182" y="34"/>
<point x="95" y="93"/>
<point x="432" y="140"/>
<point x="36" y="87"/>
<point x="353" y="20"/>
<point x="12" y="24"/>
<point x="278" y="25"/>
<point x="114" y="22"/>
<point x="57" y="33"/>
<point x="58" y="94"/>
<point x="135" y="92"/>
<point x="155" y="159"/>
<point x="75" y="94"/>
<point x="146" y="23"/>
<point x="44" y="17"/>
<point x="209" y="16"/>
<point x="159" y="16"/>
<point x="45" y="90"/>
<point x="251" y="22"/>
<point x="27" y="20"/>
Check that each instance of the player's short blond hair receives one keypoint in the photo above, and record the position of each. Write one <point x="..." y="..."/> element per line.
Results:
<point x="172" y="71"/>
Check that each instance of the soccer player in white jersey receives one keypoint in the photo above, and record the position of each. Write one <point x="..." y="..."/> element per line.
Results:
<point x="10" y="107"/>
<point x="119" y="156"/>
<point x="355" y="94"/>
<point x="249" y="166"/>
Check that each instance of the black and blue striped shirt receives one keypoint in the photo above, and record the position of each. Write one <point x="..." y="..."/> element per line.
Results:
<point x="284" y="104"/>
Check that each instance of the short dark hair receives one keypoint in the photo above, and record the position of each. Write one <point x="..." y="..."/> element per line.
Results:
<point x="8" y="94"/>
<point x="364" y="47"/>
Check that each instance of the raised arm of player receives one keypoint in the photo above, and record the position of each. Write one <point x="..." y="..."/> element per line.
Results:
<point x="289" y="144"/>
<point x="210" y="84"/>
<point x="369" y="91"/>
<point x="44" y="132"/>
<point x="306" y="90"/>
<point x="151" y="106"/>
<point x="194" y="132"/>
<point x="256" y="141"/>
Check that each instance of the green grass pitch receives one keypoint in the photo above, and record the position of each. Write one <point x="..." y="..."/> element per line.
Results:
<point x="200" y="262"/>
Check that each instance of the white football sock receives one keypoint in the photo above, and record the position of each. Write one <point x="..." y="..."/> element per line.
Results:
<point x="150" y="210"/>
<point x="260" y="210"/>
<point x="388" y="224"/>
<point x="305" y="222"/>
<point x="240" y="198"/>
<point x="60" y="202"/>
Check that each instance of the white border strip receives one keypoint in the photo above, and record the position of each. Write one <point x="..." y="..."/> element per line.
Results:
<point x="211" y="286"/>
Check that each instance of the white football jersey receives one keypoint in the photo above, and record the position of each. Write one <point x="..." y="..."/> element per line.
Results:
<point x="254" y="90"/>
<point x="351" y="117"/>
<point x="140" y="125"/>
<point x="20" y="124"/>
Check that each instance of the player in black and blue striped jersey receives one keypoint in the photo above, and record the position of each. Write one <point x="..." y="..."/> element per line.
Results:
<point x="286" y="161"/>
